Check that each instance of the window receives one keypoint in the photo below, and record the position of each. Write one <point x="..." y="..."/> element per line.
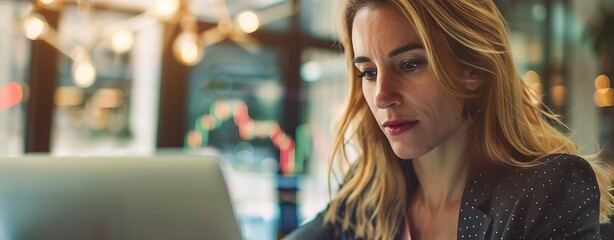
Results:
<point x="114" y="109"/>
<point x="14" y="60"/>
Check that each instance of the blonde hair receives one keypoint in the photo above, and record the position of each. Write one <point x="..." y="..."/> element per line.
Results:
<point x="511" y="130"/>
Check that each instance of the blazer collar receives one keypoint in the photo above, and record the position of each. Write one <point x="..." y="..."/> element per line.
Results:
<point x="474" y="220"/>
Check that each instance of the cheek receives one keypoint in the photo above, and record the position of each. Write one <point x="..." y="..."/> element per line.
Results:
<point x="452" y="109"/>
<point x="443" y="107"/>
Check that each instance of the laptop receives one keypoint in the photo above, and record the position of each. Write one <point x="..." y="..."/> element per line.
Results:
<point x="99" y="198"/>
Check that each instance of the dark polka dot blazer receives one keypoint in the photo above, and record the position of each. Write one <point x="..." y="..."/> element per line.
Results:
<point x="558" y="199"/>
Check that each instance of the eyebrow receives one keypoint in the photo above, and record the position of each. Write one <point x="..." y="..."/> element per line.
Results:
<point x="393" y="53"/>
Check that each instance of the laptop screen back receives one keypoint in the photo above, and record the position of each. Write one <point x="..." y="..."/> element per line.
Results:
<point x="170" y="197"/>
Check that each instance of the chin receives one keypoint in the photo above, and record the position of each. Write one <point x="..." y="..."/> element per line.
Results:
<point x="404" y="152"/>
<point x="405" y="156"/>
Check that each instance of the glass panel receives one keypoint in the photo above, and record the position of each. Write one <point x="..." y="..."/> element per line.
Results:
<point x="526" y="22"/>
<point x="318" y="18"/>
<point x="235" y="99"/>
<point x="115" y="111"/>
<point x="326" y="86"/>
<point x="539" y="37"/>
<point x="14" y="60"/>
<point x="235" y="104"/>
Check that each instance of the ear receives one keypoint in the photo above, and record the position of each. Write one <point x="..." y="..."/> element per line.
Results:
<point x="472" y="79"/>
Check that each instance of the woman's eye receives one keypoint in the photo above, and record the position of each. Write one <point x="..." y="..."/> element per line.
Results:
<point x="368" y="75"/>
<point x="411" y="65"/>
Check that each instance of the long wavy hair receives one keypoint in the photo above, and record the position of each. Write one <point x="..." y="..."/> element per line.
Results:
<point x="508" y="129"/>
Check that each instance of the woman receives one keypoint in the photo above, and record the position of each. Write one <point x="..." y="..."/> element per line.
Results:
<point x="450" y="145"/>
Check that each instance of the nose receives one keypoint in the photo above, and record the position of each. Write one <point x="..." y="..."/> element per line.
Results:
<point x="387" y="93"/>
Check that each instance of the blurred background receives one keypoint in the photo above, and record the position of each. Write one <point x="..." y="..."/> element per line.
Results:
<point x="257" y="82"/>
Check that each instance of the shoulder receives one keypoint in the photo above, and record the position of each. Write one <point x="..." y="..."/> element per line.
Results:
<point x="559" y="174"/>
<point x="319" y="229"/>
<point x="315" y="229"/>
<point x="564" y="162"/>
<point x="560" y="195"/>
<point x="555" y="169"/>
<point x="551" y="173"/>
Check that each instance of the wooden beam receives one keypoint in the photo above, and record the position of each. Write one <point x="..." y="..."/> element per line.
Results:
<point x="42" y="83"/>
<point x="172" y="115"/>
<point x="290" y="64"/>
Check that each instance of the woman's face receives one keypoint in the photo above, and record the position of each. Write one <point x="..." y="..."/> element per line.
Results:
<point x="411" y="108"/>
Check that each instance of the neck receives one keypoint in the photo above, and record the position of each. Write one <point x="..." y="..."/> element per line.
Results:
<point x="442" y="172"/>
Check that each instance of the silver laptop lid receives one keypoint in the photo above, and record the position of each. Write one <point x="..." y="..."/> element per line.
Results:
<point x="164" y="197"/>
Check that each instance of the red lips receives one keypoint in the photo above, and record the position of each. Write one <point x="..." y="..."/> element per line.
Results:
<point x="398" y="127"/>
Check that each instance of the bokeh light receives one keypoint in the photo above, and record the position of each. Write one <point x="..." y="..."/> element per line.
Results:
<point x="67" y="96"/>
<point x="35" y="26"/>
<point x="602" y="81"/>
<point x="194" y="139"/>
<point x="47" y="2"/>
<point x="10" y="95"/>
<point x="533" y="81"/>
<point x="166" y="9"/>
<point x="221" y="109"/>
<point x="108" y="98"/>
<point x="122" y="41"/>
<point x="604" y="97"/>
<point x="84" y="73"/>
<point x="311" y="71"/>
<point x="186" y="48"/>
<point x="248" y="22"/>
<point x="208" y="122"/>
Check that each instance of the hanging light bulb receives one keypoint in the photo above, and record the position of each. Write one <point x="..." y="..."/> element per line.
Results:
<point x="604" y="97"/>
<point x="311" y="71"/>
<point x="35" y="26"/>
<point x="248" y="21"/>
<point x="535" y="86"/>
<point x="47" y="2"/>
<point x="122" y="41"/>
<point x="84" y="73"/>
<point x="602" y="81"/>
<point x="187" y="49"/>
<point x="165" y="9"/>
